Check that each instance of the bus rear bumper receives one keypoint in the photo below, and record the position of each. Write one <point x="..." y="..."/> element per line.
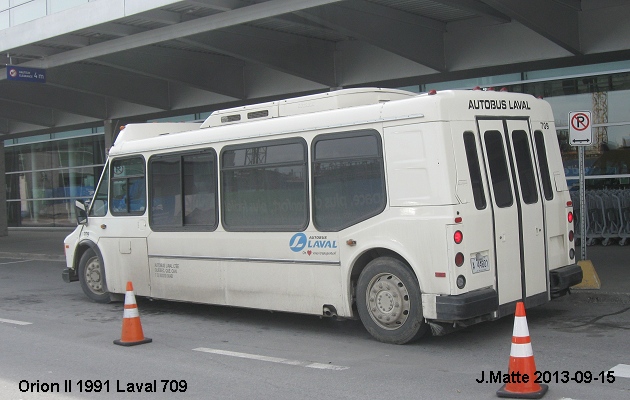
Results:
<point x="561" y="279"/>
<point x="466" y="306"/>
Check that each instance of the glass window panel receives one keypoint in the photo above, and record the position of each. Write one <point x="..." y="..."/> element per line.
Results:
<point x="357" y="146"/>
<point x="265" y="198"/>
<point x="17" y="187"/>
<point x="28" y="12"/>
<point x="127" y="167"/>
<point x="76" y="182"/>
<point x="474" y="170"/>
<point x="618" y="106"/>
<point x="60" y="5"/>
<point x="128" y="191"/>
<point x="499" y="173"/>
<point x="525" y="167"/>
<point x="543" y="165"/>
<point x="259" y="196"/>
<point x="38" y="213"/>
<point x="562" y="105"/>
<point x="190" y="177"/>
<point x="4" y="19"/>
<point x="267" y="154"/>
<point x="166" y="189"/>
<point x="347" y="188"/>
<point x="14" y="212"/>
<point x="200" y="190"/>
<point x="99" y="204"/>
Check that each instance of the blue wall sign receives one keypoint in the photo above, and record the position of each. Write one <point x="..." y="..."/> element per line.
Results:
<point x="16" y="73"/>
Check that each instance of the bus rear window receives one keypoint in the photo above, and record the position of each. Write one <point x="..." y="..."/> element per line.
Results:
<point x="543" y="165"/>
<point x="475" y="170"/>
<point x="499" y="173"/>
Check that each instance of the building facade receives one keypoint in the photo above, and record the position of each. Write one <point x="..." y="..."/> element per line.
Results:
<point x="105" y="63"/>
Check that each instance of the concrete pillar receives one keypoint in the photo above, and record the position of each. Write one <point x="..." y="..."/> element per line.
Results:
<point x="3" y="194"/>
<point x="110" y="134"/>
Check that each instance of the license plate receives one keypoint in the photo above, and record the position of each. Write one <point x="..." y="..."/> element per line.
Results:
<point x="479" y="263"/>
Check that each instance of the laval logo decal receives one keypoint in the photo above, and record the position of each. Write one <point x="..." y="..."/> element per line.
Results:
<point x="298" y="242"/>
<point x="318" y="245"/>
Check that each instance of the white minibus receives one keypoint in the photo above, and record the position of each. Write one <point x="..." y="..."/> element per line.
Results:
<point x="413" y="212"/>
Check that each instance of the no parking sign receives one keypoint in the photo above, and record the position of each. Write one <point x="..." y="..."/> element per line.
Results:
<point x="580" y="128"/>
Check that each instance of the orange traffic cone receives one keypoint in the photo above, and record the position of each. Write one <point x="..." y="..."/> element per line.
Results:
<point x="522" y="368"/>
<point x="131" y="327"/>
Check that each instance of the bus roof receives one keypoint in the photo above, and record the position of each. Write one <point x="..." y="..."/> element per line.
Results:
<point x="305" y="105"/>
<point x="347" y="107"/>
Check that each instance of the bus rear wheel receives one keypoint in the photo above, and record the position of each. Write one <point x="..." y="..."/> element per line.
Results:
<point x="92" y="277"/>
<point x="389" y="302"/>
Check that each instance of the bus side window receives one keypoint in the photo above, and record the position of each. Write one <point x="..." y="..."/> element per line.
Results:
<point x="200" y="185"/>
<point x="128" y="187"/>
<point x="99" y="205"/>
<point x="348" y="179"/>
<point x="165" y="186"/>
<point x="543" y="166"/>
<point x="264" y="186"/>
<point x="183" y="191"/>
<point x="474" y="169"/>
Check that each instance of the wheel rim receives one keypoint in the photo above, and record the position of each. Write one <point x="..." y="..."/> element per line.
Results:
<point x="93" y="276"/>
<point x="387" y="301"/>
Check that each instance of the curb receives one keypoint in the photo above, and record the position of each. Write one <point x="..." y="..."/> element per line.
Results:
<point x="595" y="296"/>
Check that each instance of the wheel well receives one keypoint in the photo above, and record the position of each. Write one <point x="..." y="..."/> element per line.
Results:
<point x="78" y="253"/>
<point x="365" y="259"/>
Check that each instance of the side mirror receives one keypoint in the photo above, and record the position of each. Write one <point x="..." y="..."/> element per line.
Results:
<point x="81" y="212"/>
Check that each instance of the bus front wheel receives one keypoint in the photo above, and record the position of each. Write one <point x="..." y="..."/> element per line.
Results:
<point x="92" y="277"/>
<point x="389" y="302"/>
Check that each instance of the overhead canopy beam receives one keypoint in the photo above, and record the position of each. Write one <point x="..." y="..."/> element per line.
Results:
<point x="307" y="58"/>
<point x="32" y="114"/>
<point x="208" y="72"/>
<point x="219" y="5"/>
<point x="410" y="36"/>
<point x="56" y="98"/>
<point x="96" y="79"/>
<point x="556" y="21"/>
<point x="477" y="7"/>
<point x="225" y="19"/>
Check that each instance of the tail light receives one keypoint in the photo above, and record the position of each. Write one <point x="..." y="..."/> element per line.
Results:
<point x="458" y="236"/>
<point x="459" y="259"/>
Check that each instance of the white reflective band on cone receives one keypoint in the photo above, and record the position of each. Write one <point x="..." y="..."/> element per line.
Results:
<point x="520" y="327"/>
<point x="519" y="350"/>
<point x="130" y="298"/>
<point x="131" y="313"/>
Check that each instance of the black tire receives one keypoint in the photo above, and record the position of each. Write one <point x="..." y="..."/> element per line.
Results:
<point x="389" y="302"/>
<point x="92" y="277"/>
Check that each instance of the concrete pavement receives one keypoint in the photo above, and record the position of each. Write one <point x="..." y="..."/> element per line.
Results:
<point x="612" y="263"/>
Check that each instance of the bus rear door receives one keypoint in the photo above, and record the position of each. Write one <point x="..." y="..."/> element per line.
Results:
<point x="518" y="219"/>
